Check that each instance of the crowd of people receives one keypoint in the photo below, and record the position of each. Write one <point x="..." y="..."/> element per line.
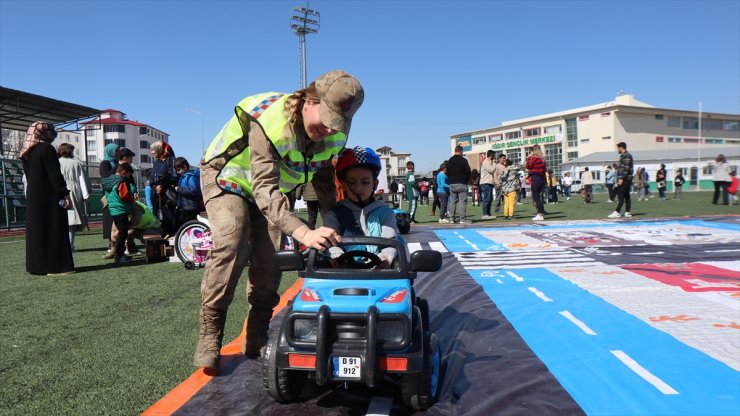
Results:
<point x="498" y="177"/>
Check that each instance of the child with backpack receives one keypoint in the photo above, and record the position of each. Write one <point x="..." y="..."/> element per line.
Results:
<point x="119" y="191"/>
<point x="359" y="213"/>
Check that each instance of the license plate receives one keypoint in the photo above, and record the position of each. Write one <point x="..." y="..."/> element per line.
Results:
<point x="347" y="367"/>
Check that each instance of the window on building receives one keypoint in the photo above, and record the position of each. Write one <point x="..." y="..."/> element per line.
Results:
<point x="606" y="138"/>
<point x="711" y="124"/>
<point x="402" y="171"/>
<point x="143" y="130"/>
<point x="659" y="116"/>
<point x="691" y="140"/>
<point x="513" y="135"/>
<point x="585" y="140"/>
<point x="582" y="118"/>
<point x="479" y="140"/>
<point x="145" y="159"/>
<point x="690" y="123"/>
<point x="532" y="132"/>
<point x="92" y="158"/>
<point x="92" y="146"/>
<point x="659" y="139"/>
<point x="707" y="170"/>
<point x="119" y="142"/>
<point x="571" y="129"/>
<point x="554" y="157"/>
<point x="731" y="125"/>
<point x="90" y="131"/>
<point x="114" y="128"/>
<point x="606" y="114"/>
<point x="675" y="140"/>
<point x="714" y="141"/>
<point x="554" y="129"/>
<point x="674" y="121"/>
<point x="572" y="155"/>
<point x="143" y="144"/>
<point x="495" y="138"/>
<point x="515" y="155"/>
<point x="684" y="171"/>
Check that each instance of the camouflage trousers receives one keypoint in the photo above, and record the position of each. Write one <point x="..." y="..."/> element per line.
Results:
<point x="240" y="233"/>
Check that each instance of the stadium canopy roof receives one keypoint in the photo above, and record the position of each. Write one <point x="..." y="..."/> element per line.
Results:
<point x="18" y="109"/>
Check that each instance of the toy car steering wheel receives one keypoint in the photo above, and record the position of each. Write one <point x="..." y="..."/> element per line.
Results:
<point x="348" y="260"/>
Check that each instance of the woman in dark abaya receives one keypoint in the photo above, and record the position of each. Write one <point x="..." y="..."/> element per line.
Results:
<point x="107" y="168"/>
<point x="163" y="180"/>
<point x="48" y="251"/>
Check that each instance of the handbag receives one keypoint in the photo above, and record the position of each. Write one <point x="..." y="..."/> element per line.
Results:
<point x="171" y="197"/>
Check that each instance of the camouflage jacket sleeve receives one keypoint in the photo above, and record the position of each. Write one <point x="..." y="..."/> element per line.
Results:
<point x="265" y="183"/>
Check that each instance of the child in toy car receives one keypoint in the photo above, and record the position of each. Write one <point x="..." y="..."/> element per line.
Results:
<point x="360" y="214"/>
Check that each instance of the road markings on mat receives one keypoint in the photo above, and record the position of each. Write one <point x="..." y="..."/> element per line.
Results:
<point x="414" y="247"/>
<point x="515" y="276"/>
<point x="661" y="385"/>
<point x="438" y="246"/>
<point x="380" y="406"/>
<point x="539" y="294"/>
<point x="569" y="316"/>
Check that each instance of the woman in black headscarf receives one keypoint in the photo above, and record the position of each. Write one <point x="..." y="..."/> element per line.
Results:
<point x="48" y="250"/>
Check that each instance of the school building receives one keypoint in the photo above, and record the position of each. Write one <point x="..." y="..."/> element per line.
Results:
<point x="587" y="136"/>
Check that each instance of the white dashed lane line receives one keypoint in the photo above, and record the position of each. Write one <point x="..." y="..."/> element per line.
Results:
<point x="569" y="316"/>
<point x="659" y="384"/>
<point x="515" y="276"/>
<point x="539" y="294"/>
<point x="380" y="406"/>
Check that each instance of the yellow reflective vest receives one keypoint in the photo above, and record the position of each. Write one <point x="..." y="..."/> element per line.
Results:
<point x="265" y="111"/>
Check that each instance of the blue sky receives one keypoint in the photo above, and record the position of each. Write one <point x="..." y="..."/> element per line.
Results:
<point x="430" y="68"/>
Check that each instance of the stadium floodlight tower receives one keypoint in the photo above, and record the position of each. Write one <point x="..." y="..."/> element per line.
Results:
<point x="304" y="21"/>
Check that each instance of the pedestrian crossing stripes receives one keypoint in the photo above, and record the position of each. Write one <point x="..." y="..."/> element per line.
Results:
<point x="524" y="259"/>
<point x="432" y="245"/>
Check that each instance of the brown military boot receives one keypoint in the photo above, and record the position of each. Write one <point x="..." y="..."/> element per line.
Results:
<point x="208" y="351"/>
<point x="257" y="324"/>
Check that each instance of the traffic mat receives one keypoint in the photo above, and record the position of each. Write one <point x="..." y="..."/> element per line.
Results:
<point x="580" y="317"/>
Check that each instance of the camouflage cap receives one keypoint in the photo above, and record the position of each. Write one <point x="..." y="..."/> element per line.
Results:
<point x="341" y="95"/>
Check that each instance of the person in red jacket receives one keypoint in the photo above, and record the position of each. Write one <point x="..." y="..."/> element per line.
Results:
<point x="537" y="167"/>
<point x="732" y="190"/>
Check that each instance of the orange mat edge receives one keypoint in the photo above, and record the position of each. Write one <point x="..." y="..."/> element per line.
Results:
<point x="179" y="395"/>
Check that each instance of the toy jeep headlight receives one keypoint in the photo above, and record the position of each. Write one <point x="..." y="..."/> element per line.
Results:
<point x="390" y="331"/>
<point x="305" y="330"/>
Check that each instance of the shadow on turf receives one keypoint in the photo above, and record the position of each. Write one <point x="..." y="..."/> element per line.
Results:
<point x="109" y="265"/>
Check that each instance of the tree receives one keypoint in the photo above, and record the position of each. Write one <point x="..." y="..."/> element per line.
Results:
<point x="12" y="143"/>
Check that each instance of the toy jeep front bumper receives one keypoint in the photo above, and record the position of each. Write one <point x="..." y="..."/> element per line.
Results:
<point x="353" y="335"/>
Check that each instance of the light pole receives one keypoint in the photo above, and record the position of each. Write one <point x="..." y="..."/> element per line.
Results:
<point x="304" y="21"/>
<point x="202" y="143"/>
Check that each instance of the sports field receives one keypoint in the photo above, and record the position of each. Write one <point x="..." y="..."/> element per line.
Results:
<point x="113" y="340"/>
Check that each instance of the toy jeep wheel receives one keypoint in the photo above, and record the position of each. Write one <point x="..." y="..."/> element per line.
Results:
<point x="420" y="390"/>
<point x="283" y="385"/>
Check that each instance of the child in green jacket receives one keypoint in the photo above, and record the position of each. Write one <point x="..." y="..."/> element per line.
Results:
<point x="120" y="191"/>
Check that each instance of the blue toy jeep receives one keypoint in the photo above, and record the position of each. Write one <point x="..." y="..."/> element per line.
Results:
<point x="355" y="324"/>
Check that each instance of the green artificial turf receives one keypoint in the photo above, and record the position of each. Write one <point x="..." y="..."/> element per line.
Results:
<point x="113" y="340"/>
